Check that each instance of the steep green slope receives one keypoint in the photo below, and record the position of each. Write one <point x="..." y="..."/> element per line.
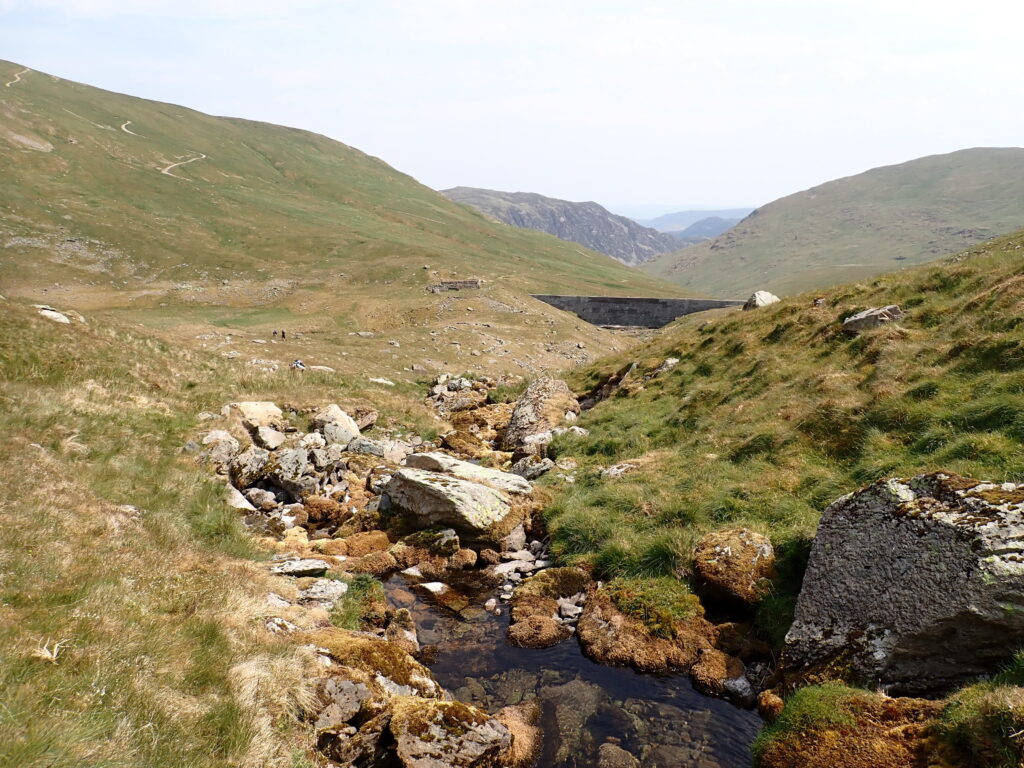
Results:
<point x="170" y="215"/>
<point x="861" y="226"/>
<point x="772" y="414"/>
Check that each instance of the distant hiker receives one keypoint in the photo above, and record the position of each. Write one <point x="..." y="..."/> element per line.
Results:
<point x="298" y="365"/>
<point x="282" y="335"/>
<point x="275" y="334"/>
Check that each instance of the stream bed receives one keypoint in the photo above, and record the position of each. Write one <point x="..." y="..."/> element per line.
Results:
<point x="660" y="719"/>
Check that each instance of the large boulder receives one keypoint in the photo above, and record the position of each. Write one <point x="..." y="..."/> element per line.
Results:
<point x="290" y="469"/>
<point x="735" y="564"/>
<point x="761" y="299"/>
<point x="913" y="585"/>
<point x="540" y="409"/>
<point x="335" y="425"/>
<point x="436" y="499"/>
<point x="872" y="318"/>
<point x="442" y="462"/>
<point x="430" y="733"/>
<point x="256" y="414"/>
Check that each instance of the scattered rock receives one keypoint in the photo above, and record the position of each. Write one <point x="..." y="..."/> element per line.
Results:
<point x="718" y="674"/>
<point x="904" y="567"/>
<point x="531" y="467"/>
<point x="618" y="470"/>
<point x="872" y="318"/>
<point x="237" y="501"/>
<point x="269" y="438"/>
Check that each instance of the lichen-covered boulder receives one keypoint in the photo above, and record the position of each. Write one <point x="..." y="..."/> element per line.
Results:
<point x="335" y="425"/>
<point x="735" y="564"/>
<point x="540" y="409"/>
<point x="441" y="462"/>
<point x="436" y="499"/>
<point x="249" y="466"/>
<point x="430" y="733"/>
<point x="872" y="318"/>
<point x="914" y="585"/>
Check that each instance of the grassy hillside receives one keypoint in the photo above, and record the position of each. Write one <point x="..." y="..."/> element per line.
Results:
<point x="772" y="414"/>
<point x="200" y="225"/>
<point x="854" y="228"/>
<point x="132" y="635"/>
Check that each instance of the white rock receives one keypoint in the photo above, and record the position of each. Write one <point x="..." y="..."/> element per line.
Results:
<point x="302" y="567"/>
<point x="872" y="318"/>
<point x="442" y="462"/>
<point x="257" y="413"/>
<point x="442" y="500"/>
<point x="761" y="299"/>
<point x="269" y="438"/>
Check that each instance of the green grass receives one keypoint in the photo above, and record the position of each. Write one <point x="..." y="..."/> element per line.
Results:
<point x="771" y="415"/>
<point x="858" y="227"/>
<point x="364" y="591"/>
<point x="277" y="228"/>
<point x="813" y="708"/>
<point x="157" y="614"/>
<point x="659" y="603"/>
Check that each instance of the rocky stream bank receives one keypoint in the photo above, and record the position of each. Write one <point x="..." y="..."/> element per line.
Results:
<point x="482" y="651"/>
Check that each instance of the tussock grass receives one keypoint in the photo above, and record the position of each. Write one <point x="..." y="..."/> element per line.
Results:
<point x="771" y="415"/>
<point x="133" y="635"/>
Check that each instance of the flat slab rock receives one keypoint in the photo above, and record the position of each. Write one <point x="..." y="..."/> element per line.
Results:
<point x="437" y="499"/>
<point x="442" y="462"/>
<point x="915" y="585"/>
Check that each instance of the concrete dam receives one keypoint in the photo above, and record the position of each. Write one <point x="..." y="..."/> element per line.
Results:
<point x="627" y="311"/>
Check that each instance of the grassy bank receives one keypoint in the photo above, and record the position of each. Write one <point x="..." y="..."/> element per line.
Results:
<point x="131" y="602"/>
<point x="770" y="415"/>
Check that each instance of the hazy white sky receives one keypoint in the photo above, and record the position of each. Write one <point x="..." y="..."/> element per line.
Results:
<point x="716" y="103"/>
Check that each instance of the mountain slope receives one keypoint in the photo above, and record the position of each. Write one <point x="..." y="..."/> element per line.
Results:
<point x="705" y="229"/>
<point x="588" y="224"/>
<point x="202" y="225"/>
<point x="680" y="220"/>
<point x="857" y="227"/>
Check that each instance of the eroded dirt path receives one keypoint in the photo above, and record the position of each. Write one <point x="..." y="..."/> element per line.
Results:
<point x="17" y="77"/>
<point x="167" y="171"/>
<point x="124" y="127"/>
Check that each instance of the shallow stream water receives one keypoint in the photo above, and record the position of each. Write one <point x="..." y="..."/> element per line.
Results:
<point x="660" y="719"/>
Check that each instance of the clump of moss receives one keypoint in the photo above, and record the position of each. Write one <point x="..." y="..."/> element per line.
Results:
<point x="660" y="603"/>
<point x="982" y="723"/>
<point x="816" y="707"/>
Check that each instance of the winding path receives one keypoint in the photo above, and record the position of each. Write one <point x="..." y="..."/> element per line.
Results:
<point x="124" y="127"/>
<point x="17" y="77"/>
<point x="167" y="171"/>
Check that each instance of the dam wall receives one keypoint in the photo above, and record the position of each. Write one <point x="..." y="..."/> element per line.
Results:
<point x="634" y="312"/>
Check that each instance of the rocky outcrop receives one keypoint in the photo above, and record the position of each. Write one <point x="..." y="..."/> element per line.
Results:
<point x="902" y="568"/>
<point x="257" y="414"/>
<point x="539" y="410"/>
<point x="761" y="299"/>
<point x="588" y="224"/>
<point x="735" y="565"/>
<point x="442" y="462"/>
<point x="335" y="425"/>
<point x="435" y="499"/>
<point x="445" y="734"/>
<point x="872" y="318"/>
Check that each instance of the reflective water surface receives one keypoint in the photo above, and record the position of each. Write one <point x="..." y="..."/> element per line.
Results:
<point x="660" y="719"/>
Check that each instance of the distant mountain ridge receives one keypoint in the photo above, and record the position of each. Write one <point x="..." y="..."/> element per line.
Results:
<point x="860" y="226"/>
<point x="588" y="224"/>
<point x="705" y="229"/>
<point x="681" y="220"/>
